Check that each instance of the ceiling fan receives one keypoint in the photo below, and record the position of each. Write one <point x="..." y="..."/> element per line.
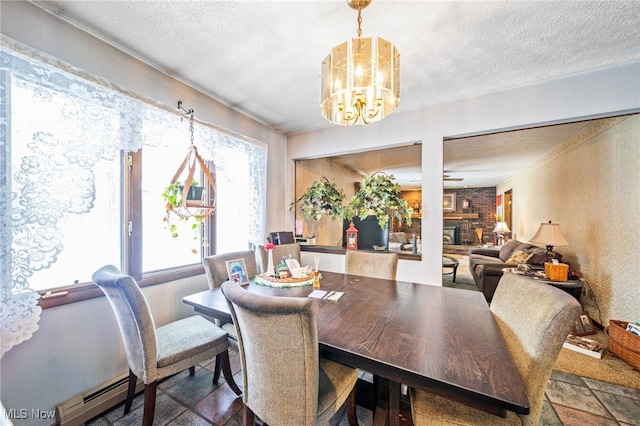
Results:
<point x="452" y="179"/>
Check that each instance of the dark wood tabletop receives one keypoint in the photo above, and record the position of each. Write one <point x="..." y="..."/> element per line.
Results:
<point x="439" y="339"/>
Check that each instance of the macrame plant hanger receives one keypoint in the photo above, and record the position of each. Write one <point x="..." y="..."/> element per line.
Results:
<point x="191" y="163"/>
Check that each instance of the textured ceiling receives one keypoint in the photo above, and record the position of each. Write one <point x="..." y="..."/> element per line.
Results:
<point x="263" y="58"/>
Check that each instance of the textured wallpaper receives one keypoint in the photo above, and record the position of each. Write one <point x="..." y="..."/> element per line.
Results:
<point x="590" y="185"/>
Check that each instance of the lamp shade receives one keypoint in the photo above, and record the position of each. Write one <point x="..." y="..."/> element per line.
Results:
<point x="501" y="228"/>
<point x="549" y="234"/>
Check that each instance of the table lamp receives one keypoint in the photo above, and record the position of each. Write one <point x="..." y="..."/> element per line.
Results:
<point x="501" y="229"/>
<point x="549" y="235"/>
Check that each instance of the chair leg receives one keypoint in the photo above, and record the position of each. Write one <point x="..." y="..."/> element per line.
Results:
<point x="351" y="408"/>
<point x="131" y="390"/>
<point x="192" y="370"/>
<point x="217" y="369"/>
<point x="222" y="359"/>
<point x="149" y="403"/>
<point x="248" y="418"/>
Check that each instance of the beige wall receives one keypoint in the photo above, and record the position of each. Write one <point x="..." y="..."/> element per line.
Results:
<point x="590" y="185"/>
<point x="328" y="232"/>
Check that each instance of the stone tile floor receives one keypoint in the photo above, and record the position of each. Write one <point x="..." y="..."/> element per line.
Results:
<point x="192" y="400"/>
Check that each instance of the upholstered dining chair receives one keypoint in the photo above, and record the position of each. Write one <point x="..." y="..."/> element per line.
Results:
<point x="279" y="252"/>
<point x="155" y="353"/>
<point x="285" y="380"/>
<point x="216" y="269"/>
<point x="371" y="264"/>
<point x="534" y="319"/>
<point x="216" y="266"/>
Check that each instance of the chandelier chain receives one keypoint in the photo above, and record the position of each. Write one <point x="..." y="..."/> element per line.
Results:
<point x="191" y="127"/>
<point x="359" y="22"/>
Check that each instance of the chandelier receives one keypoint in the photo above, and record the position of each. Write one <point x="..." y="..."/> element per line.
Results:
<point x="360" y="78"/>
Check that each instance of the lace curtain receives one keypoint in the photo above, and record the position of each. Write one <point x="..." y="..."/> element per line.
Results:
<point x="108" y="122"/>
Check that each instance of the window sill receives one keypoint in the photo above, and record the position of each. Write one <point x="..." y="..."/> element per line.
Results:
<point x="85" y="291"/>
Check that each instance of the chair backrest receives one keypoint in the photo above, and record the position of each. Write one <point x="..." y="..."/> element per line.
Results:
<point x="216" y="266"/>
<point x="281" y="250"/>
<point x="534" y="319"/>
<point x="134" y="319"/>
<point x="371" y="264"/>
<point x="278" y="341"/>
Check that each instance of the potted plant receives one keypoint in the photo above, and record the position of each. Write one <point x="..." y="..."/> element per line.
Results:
<point x="322" y="197"/>
<point x="380" y="194"/>
<point x="177" y="210"/>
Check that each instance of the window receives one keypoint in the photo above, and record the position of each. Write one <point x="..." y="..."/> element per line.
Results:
<point x="85" y="167"/>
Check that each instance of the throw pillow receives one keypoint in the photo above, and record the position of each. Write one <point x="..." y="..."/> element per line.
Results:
<point x="509" y="247"/>
<point x="538" y="256"/>
<point x="518" y="256"/>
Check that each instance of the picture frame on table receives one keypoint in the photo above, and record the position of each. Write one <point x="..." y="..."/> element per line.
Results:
<point x="237" y="271"/>
<point x="449" y="202"/>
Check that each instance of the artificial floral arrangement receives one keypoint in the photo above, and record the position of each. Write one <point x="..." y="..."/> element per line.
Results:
<point x="321" y="197"/>
<point x="379" y="193"/>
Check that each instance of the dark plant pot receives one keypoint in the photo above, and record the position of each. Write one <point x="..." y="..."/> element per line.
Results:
<point x="195" y="192"/>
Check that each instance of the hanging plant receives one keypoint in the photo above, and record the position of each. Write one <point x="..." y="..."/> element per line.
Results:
<point x="379" y="193"/>
<point x="321" y="197"/>
<point x="177" y="212"/>
<point x="186" y="202"/>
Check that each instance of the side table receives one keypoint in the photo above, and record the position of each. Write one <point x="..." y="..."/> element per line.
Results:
<point x="573" y="287"/>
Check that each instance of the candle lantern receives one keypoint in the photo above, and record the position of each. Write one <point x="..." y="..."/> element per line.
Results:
<point x="352" y="237"/>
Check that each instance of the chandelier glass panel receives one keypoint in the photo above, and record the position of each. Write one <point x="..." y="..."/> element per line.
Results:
<point x="360" y="80"/>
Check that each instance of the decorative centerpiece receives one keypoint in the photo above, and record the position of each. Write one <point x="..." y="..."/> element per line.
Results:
<point x="287" y="273"/>
<point x="273" y="281"/>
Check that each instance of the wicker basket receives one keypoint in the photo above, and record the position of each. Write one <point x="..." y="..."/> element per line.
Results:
<point x="624" y="344"/>
<point x="559" y="272"/>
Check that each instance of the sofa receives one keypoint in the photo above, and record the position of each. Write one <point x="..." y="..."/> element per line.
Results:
<point x="486" y="264"/>
<point x="398" y="241"/>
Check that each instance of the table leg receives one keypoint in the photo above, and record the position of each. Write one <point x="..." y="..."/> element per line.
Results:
<point x="455" y="269"/>
<point x="394" y="403"/>
<point x="387" y="410"/>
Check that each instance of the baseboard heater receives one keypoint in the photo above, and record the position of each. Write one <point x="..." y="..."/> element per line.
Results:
<point x="82" y="408"/>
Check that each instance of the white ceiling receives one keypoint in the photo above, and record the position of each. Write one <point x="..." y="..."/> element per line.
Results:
<point x="263" y="58"/>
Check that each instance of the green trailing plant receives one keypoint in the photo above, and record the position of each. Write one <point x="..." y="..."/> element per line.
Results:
<point x="177" y="211"/>
<point x="380" y="194"/>
<point x="322" y="197"/>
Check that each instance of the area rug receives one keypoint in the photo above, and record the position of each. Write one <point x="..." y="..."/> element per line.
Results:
<point x="609" y="369"/>
<point x="464" y="279"/>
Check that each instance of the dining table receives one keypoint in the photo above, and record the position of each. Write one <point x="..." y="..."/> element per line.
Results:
<point x="438" y="339"/>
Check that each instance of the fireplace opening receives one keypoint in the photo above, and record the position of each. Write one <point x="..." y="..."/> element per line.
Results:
<point x="450" y="234"/>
